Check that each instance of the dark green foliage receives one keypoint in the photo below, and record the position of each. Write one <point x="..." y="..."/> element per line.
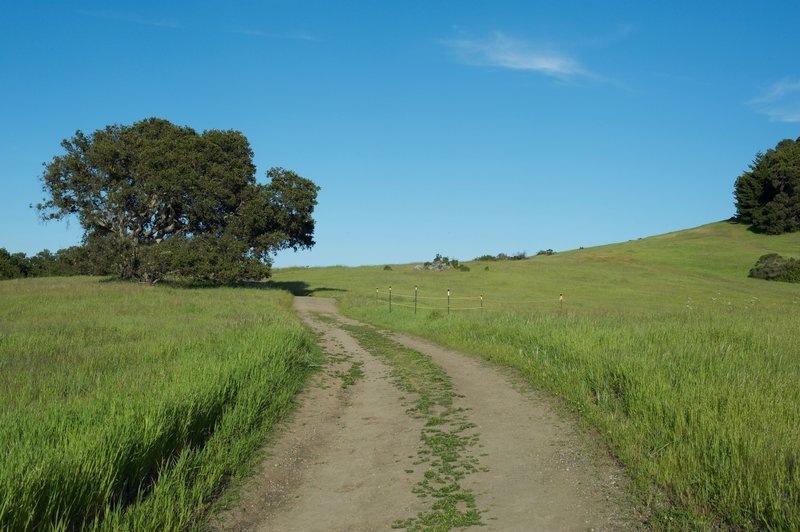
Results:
<point x="768" y="195"/>
<point x="156" y="199"/>
<point x="14" y="265"/>
<point x="387" y="268"/>
<point x="439" y="263"/>
<point x="69" y="261"/>
<point x="545" y="252"/>
<point x="503" y="256"/>
<point x="773" y="267"/>
<point x="45" y="264"/>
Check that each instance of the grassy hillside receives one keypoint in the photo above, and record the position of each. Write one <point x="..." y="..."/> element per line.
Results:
<point x="687" y="367"/>
<point x="708" y="264"/>
<point x="128" y="407"/>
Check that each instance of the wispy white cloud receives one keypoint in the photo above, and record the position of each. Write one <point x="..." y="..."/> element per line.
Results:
<point x="784" y="114"/>
<point x="502" y="51"/>
<point x="133" y="19"/>
<point x="780" y="102"/>
<point x="778" y="91"/>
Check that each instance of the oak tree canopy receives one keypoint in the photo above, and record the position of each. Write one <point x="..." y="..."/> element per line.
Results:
<point x="156" y="199"/>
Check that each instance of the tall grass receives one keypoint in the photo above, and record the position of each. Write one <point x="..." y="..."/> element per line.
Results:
<point x="687" y="368"/>
<point x="129" y="407"/>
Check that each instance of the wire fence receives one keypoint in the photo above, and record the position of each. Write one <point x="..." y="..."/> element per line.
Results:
<point x="450" y="303"/>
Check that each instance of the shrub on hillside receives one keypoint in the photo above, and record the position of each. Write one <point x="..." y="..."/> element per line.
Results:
<point x="773" y="267"/>
<point x="503" y="256"/>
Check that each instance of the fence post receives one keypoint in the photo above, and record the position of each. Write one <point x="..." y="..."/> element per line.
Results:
<point x="561" y="301"/>
<point x="481" y="303"/>
<point x="448" y="301"/>
<point x="415" y="300"/>
<point x="376" y="295"/>
<point x="390" y="299"/>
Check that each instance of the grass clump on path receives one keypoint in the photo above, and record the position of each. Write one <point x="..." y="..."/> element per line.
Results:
<point x="129" y="407"/>
<point x="447" y="437"/>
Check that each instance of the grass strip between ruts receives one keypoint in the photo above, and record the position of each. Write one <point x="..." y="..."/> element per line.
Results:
<point x="448" y="437"/>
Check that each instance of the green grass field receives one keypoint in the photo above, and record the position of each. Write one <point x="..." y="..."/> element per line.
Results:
<point x="125" y="406"/>
<point x="687" y="368"/>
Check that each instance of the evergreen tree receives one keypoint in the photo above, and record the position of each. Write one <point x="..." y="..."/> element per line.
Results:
<point x="768" y="194"/>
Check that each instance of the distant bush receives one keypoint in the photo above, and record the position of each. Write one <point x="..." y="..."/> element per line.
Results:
<point x="773" y="267"/>
<point x="545" y="252"/>
<point x="502" y="256"/>
<point x="387" y="268"/>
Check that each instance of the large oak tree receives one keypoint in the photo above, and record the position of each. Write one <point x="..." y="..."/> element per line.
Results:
<point x="157" y="199"/>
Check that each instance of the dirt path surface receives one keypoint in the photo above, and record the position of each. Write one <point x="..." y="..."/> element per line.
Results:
<point x="542" y="473"/>
<point x="349" y="457"/>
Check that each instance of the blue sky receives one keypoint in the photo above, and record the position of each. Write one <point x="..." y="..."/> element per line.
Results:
<point x="453" y="127"/>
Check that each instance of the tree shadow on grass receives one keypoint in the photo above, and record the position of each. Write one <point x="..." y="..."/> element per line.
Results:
<point x="300" y="288"/>
<point x="296" y="288"/>
<point x="734" y="220"/>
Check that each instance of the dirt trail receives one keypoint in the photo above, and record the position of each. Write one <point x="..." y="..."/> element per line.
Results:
<point x="348" y="457"/>
<point x="542" y="473"/>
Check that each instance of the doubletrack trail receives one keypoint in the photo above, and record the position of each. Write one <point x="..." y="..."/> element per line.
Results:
<point x="358" y="455"/>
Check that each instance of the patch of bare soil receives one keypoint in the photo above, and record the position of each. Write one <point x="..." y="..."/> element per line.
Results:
<point x="344" y="461"/>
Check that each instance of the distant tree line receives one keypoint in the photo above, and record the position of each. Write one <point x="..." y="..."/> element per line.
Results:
<point x="522" y="255"/>
<point x="157" y="200"/>
<point x="502" y="256"/>
<point x="75" y="260"/>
